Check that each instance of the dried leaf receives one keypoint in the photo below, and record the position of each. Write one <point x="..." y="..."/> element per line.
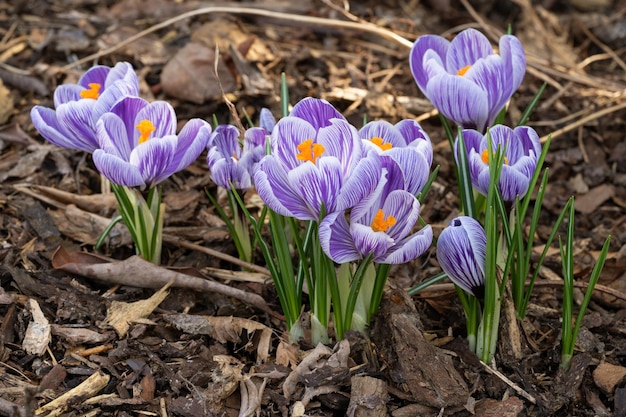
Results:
<point x="120" y="315"/>
<point x="224" y="329"/>
<point x="38" y="332"/>
<point x="190" y="75"/>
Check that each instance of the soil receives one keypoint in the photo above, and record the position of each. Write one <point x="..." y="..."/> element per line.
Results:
<point x="125" y="340"/>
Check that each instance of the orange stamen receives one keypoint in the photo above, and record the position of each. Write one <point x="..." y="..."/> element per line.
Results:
<point x="380" y="142"/>
<point x="145" y="128"/>
<point x="310" y="151"/>
<point x="463" y="70"/>
<point x="93" y="92"/>
<point x="380" y="223"/>
<point x="485" y="157"/>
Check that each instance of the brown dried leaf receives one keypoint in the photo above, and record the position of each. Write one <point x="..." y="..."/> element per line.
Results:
<point x="589" y="202"/>
<point x="120" y="315"/>
<point x="87" y="228"/>
<point x="224" y="329"/>
<point x="190" y="75"/>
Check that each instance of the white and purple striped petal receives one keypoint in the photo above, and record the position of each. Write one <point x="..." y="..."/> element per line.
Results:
<point x="521" y="147"/>
<point x="465" y="79"/>
<point x="77" y="115"/>
<point x="385" y="236"/>
<point x="461" y="252"/>
<point x="317" y="112"/>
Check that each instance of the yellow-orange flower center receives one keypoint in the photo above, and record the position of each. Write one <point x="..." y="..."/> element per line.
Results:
<point x="485" y="157"/>
<point x="382" y="223"/>
<point x="380" y="142"/>
<point x="310" y="151"/>
<point x="93" y="92"/>
<point x="145" y="128"/>
<point x="463" y="70"/>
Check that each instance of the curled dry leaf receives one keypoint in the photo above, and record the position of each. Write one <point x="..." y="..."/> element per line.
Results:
<point x="77" y="336"/>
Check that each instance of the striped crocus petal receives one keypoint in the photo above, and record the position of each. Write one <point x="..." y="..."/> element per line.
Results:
<point x="274" y="188"/>
<point x="416" y="137"/>
<point x="521" y="147"/>
<point x="382" y="134"/>
<point x="459" y="100"/>
<point x="153" y="159"/>
<point x="382" y="235"/>
<point x="317" y="112"/>
<point x="461" y="251"/>
<point x="225" y="171"/>
<point x="47" y="124"/>
<point x="139" y="146"/>
<point x="397" y="142"/>
<point x="191" y="142"/>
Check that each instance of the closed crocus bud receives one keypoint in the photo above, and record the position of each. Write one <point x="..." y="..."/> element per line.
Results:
<point x="461" y="251"/>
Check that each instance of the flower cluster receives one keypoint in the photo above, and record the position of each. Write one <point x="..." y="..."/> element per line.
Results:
<point x="321" y="167"/>
<point x="134" y="143"/>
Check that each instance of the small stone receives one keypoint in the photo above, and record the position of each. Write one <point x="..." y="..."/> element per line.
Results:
<point x="606" y="376"/>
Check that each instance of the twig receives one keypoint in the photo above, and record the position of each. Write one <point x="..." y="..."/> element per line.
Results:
<point x="292" y="18"/>
<point x="173" y="240"/>
<point x="585" y="120"/>
<point x="599" y="287"/>
<point x="510" y="383"/>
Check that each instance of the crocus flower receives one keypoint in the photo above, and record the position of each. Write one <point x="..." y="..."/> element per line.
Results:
<point x="461" y="252"/>
<point x="139" y="146"/>
<point x="464" y="79"/>
<point x="521" y="148"/>
<point x="316" y="164"/>
<point x="228" y="162"/>
<point x="381" y="230"/>
<point x="407" y="144"/>
<point x="79" y="106"/>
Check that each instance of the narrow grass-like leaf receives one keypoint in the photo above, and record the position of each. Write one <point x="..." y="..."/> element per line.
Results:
<point x="421" y="196"/>
<point x="567" y="263"/>
<point x="427" y="283"/>
<point x="531" y="106"/>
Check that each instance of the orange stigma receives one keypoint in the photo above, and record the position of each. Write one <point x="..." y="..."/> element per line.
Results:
<point x="93" y="92"/>
<point x="382" y="224"/>
<point x="485" y="157"/>
<point x="145" y="128"/>
<point x="463" y="70"/>
<point x="309" y="151"/>
<point x="380" y="142"/>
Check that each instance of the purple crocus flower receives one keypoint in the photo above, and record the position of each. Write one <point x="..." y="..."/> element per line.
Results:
<point x="464" y="79"/>
<point x="79" y="106"/>
<point x="521" y="148"/>
<point x="316" y="111"/>
<point x="461" y="252"/>
<point x="139" y="146"/>
<point x="407" y="144"/>
<point x="379" y="227"/>
<point x="316" y="164"/>
<point x="228" y="162"/>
